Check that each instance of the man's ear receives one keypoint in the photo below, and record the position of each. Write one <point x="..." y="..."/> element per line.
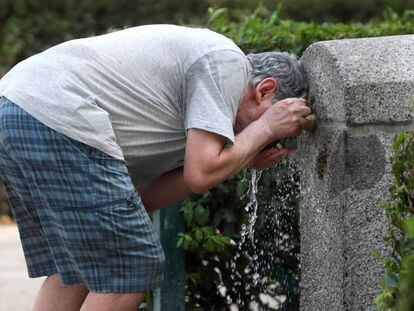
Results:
<point x="265" y="89"/>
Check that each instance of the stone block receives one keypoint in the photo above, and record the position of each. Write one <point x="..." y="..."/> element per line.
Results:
<point x="362" y="80"/>
<point x="361" y="91"/>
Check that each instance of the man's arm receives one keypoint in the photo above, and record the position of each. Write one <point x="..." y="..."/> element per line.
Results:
<point x="203" y="152"/>
<point x="167" y="189"/>
<point x="202" y="147"/>
<point x="208" y="162"/>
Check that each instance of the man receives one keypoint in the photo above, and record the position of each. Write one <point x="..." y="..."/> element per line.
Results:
<point x="163" y="109"/>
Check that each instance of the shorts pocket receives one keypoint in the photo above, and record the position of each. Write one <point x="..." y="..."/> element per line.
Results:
<point x="130" y="236"/>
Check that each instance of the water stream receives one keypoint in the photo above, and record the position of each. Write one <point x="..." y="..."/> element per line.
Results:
<point x="257" y="253"/>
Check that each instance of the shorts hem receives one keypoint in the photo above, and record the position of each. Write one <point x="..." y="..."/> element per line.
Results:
<point x="126" y="288"/>
<point x="39" y="274"/>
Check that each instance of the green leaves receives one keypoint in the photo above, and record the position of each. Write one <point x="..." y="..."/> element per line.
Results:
<point x="391" y="280"/>
<point x="200" y="236"/>
<point x="262" y="31"/>
<point x="408" y="226"/>
<point x="194" y="212"/>
<point x="188" y="212"/>
<point x="375" y="253"/>
<point x="201" y="215"/>
<point x="385" y="300"/>
<point x="203" y="239"/>
<point x="398" y="282"/>
<point x="214" y="15"/>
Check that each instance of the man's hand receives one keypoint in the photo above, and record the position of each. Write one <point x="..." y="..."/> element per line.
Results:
<point x="269" y="157"/>
<point x="286" y="118"/>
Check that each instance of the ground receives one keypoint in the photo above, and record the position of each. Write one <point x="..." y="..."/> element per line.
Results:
<point x="17" y="291"/>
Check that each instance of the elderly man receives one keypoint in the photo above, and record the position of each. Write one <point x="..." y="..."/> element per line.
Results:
<point x="94" y="129"/>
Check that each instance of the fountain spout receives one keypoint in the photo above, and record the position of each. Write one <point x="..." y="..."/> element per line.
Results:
<point x="310" y="124"/>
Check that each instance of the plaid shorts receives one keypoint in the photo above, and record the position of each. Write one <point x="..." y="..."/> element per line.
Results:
<point x="76" y="209"/>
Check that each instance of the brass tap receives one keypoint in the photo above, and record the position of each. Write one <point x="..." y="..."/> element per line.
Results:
<point x="310" y="124"/>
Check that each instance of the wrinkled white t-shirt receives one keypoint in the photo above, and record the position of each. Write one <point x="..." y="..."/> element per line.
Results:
<point x="134" y="93"/>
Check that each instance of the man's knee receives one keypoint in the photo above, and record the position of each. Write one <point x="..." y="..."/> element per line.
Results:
<point x="54" y="296"/>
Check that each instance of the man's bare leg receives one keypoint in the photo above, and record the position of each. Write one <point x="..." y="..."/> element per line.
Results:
<point x="53" y="296"/>
<point x="112" y="301"/>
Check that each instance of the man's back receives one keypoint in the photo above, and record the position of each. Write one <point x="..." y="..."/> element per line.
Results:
<point x="129" y="93"/>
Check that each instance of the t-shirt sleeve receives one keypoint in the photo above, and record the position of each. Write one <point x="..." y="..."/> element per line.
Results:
<point x="214" y="87"/>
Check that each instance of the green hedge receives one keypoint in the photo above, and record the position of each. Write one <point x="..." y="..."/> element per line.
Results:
<point x="398" y="282"/>
<point x="264" y="31"/>
<point x="29" y="26"/>
<point x="339" y="11"/>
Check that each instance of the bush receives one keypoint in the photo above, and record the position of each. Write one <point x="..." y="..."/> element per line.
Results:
<point x="266" y="31"/>
<point x="30" y="26"/>
<point x="398" y="283"/>
<point x="340" y="11"/>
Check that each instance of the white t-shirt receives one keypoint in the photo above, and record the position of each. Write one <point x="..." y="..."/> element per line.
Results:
<point x="134" y="93"/>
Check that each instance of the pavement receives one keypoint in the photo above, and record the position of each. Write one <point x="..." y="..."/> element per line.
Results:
<point x="17" y="290"/>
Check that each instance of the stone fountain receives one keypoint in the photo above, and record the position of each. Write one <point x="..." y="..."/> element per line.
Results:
<point x="361" y="91"/>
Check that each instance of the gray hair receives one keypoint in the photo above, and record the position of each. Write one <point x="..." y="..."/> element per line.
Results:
<point x="285" y="68"/>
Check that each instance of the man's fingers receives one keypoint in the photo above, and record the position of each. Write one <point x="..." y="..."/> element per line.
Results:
<point x="293" y="100"/>
<point x="270" y="157"/>
<point x="299" y="108"/>
<point x="305" y="111"/>
<point x="282" y="152"/>
<point x="272" y="152"/>
<point x="277" y="157"/>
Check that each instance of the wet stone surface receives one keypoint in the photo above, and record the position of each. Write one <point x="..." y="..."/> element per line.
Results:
<point x="357" y="161"/>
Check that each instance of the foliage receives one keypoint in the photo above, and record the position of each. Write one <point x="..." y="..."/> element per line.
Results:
<point x="30" y="26"/>
<point x="340" y="11"/>
<point x="196" y="216"/>
<point x="266" y="31"/>
<point x="214" y="263"/>
<point x="398" y="282"/>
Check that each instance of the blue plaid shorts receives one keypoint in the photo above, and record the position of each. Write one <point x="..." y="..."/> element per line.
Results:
<point x="76" y="209"/>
